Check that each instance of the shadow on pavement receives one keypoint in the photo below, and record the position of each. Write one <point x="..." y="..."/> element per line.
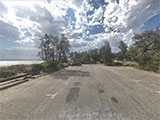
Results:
<point x="66" y="74"/>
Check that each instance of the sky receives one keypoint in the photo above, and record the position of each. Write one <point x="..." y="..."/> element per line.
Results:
<point x="86" y="23"/>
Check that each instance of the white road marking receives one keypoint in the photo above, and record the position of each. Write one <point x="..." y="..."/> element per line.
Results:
<point x="51" y="95"/>
<point x="136" y="80"/>
<point x="48" y="95"/>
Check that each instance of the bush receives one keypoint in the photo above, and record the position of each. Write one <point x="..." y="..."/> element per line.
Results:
<point x="37" y="68"/>
<point x="132" y="64"/>
<point x="11" y="70"/>
<point x="147" y="47"/>
<point x="28" y="69"/>
<point x="7" y="73"/>
<point x="65" y="64"/>
<point x="32" y="69"/>
<point x="117" y="64"/>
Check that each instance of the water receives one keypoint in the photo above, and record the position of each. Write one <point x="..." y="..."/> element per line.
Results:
<point x="16" y="62"/>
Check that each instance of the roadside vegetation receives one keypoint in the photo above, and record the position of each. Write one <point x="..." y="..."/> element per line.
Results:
<point x="9" y="71"/>
<point x="144" y="53"/>
<point x="54" y="51"/>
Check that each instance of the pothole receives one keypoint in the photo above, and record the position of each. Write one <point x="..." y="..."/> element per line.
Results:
<point x="73" y="94"/>
<point x="114" y="100"/>
<point x="100" y="88"/>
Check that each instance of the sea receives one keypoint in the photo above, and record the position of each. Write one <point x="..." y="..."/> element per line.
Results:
<point x="18" y="62"/>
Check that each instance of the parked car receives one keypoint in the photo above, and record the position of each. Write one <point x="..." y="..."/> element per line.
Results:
<point x="75" y="63"/>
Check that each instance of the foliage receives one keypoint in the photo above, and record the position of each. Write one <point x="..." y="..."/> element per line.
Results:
<point x="147" y="50"/>
<point x="103" y="55"/>
<point x="32" y="69"/>
<point x="7" y="73"/>
<point x="106" y="54"/>
<point x="54" y="50"/>
<point x="83" y="57"/>
<point x="37" y="68"/>
<point x="123" y="50"/>
<point x="131" y="64"/>
<point x="12" y="70"/>
<point x="94" y="55"/>
<point x="131" y="53"/>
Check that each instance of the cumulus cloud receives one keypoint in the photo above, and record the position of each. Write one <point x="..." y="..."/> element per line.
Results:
<point x="128" y="16"/>
<point x="47" y="23"/>
<point x="142" y="12"/>
<point x="87" y="24"/>
<point x="8" y="31"/>
<point x="98" y="14"/>
<point x="3" y="9"/>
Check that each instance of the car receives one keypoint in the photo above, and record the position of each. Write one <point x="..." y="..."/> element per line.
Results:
<point x="75" y="63"/>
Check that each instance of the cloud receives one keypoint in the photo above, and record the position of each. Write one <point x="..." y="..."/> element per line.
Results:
<point x="98" y="14"/>
<point x="142" y="12"/>
<point x="3" y="9"/>
<point x="8" y="31"/>
<point x="47" y="22"/>
<point x="127" y="17"/>
<point x="87" y="24"/>
<point x="129" y="14"/>
<point x="76" y="35"/>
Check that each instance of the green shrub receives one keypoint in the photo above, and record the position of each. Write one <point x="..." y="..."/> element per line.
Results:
<point x="7" y="73"/>
<point x="65" y="64"/>
<point x="132" y="64"/>
<point x="33" y="69"/>
<point x="117" y="64"/>
<point x="147" y="47"/>
<point x="37" y="68"/>
<point x="28" y="69"/>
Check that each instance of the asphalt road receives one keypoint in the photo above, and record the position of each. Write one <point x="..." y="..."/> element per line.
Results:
<point x="89" y="92"/>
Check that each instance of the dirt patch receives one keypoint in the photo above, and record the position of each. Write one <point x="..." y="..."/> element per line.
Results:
<point x="77" y="83"/>
<point x="73" y="94"/>
<point x="115" y="100"/>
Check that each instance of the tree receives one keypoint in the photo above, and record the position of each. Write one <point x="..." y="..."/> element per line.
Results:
<point x="46" y="48"/>
<point x="131" y="53"/>
<point x="147" y="47"/>
<point x="123" y="49"/>
<point x="86" y="57"/>
<point x="106" y="54"/>
<point x="63" y="48"/>
<point x="75" y="56"/>
<point x="94" y="55"/>
<point x="53" y="50"/>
